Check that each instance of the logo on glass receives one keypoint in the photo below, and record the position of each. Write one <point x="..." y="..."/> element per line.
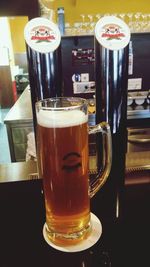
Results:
<point x="71" y="161"/>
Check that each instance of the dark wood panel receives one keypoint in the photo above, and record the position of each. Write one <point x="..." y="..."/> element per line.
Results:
<point x="19" y="8"/>
<point x="6" y="87"/>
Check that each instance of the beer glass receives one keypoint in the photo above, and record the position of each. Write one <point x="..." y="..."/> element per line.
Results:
<point x="63" y="159"/>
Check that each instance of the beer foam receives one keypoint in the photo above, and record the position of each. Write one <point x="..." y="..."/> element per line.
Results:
<point x="61" y="119"/>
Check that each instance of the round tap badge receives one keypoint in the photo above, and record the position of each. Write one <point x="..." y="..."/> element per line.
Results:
<point x="42" y="35"/>
<point x="112" y="33"/>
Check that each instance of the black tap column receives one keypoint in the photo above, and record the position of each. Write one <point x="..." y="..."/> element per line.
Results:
<point x="111" y="73"/>
<point x="44" y="59"/>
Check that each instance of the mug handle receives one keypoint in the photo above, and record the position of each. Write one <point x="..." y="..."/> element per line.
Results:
<point x="101" y="177"/>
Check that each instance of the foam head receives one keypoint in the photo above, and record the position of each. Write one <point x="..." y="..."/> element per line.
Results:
<point x="61" y="119"/>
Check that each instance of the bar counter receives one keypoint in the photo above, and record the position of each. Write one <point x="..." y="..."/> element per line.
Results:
<point x="124" y="242"/>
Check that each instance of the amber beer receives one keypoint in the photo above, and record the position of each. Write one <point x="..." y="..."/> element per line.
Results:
<point x="63" y="150"/>
<point x="62" y="143"/>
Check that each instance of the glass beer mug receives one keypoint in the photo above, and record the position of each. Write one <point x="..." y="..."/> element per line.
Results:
<point x="63" y="159"/>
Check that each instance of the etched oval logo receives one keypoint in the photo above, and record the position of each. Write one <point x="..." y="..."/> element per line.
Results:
<point x="71" y="161"/>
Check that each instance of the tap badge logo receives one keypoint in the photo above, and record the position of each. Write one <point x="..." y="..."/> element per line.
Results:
<point x="42" y="35"/>
<point x="112" y="33"/>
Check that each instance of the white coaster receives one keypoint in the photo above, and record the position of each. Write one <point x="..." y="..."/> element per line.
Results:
<point x="92" y="238"/>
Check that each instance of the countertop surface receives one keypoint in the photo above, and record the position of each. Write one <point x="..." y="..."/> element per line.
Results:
<point x="123" y="243"/>
<point x="18" y="171"/>
<point x="21" y="110"/>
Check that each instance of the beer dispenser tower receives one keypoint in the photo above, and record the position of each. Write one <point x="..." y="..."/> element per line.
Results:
<point x="111" y="43"/>
<point x="43" y="45"/>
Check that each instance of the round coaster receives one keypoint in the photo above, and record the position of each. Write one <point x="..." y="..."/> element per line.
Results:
<point x="92" y="238"/>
